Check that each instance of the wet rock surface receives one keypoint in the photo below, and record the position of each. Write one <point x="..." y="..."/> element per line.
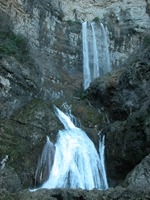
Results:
<point x="46" y="70"/>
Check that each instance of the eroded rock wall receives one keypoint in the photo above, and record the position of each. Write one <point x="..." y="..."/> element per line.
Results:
<point x="55" y="45"/>
<point x="125" y="20"/>
<point x="53" y="27"/>
<point x="53" y="33"/>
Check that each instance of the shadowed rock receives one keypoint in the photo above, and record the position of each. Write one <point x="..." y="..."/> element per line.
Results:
<point x="140" y="175"/>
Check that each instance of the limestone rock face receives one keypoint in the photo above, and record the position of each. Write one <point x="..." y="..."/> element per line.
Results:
<point x="41" y="23"/>
<point x="19" y="83"/>
<point x="54" y="27"/>
<point x="88" y="10"/>
<point x="51" y="72"/>
<point x="125" y="20"/>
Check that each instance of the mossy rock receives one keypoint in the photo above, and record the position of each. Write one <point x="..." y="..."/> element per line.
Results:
<point x="14" y="45"/>
<point x="23" y="136"/>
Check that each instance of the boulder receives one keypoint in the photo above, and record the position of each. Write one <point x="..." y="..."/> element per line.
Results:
<point x="9" y="180"/>
<point x="140" y="175"/>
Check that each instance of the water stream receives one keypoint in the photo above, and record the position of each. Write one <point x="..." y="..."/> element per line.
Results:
<point x="86" y="68"/>
<point x="96" y="58"/>
<point x="76" y="162"/>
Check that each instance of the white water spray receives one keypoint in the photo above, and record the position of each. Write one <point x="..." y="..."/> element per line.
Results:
<point x="102" y="156"/>
<point x="77" y="163"/>
<point x="67" y="109"/>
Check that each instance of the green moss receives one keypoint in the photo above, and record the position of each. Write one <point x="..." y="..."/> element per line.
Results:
<point x="13" y="45"/>
<point x="147" y="41"/>
<point x="71" y="23"/>
<point x="6" y="196"/>
<point x="96" y="19"/>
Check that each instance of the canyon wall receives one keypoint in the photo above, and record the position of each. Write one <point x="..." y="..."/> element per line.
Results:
<point x="54" y="27"/>
<point x="47" y="69"/>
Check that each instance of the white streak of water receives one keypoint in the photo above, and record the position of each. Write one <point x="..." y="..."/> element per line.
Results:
<point x="95" y="59"/>
<point x="105" y="51"/>
<point x="77" y="163"/>
<point x="45" y="162"/>
<point x="86" y="68"/>
<point x="67" y="109"/>
<point x="102" y="157"/>
<point x="66" y="121"/>
<point x="100" y="53"/>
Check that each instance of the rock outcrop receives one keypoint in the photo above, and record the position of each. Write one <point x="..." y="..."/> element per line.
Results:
<point x="55" y="44"/>
<point x="70" y="194"/>
<point x="124" y="95"/>
<point x="9" y="180"/>
<point x="54" y="27"/>
<point x="140" y="175"/>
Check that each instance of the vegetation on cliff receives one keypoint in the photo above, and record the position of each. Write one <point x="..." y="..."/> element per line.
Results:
<point x="13" y="45"/>
<point x="118" y="103"/>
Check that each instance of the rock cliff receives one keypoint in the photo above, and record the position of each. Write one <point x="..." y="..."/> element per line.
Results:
<point x="41" y="64"/>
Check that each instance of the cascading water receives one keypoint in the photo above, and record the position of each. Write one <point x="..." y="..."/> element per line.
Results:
<point x="45" y="163"/>
<point x="95" y="57"/>
<point x="100" y="63"/>
<point x="102" y="156"/>
<point x="86" y="68"/>
<point x="105" y="51"/>
<point x="67" y="109"/>
<point x="76" y="163"/>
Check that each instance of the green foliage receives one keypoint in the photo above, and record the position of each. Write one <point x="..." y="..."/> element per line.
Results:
<point x="71" y="23"/>
<point x="96" y="19"/>
<point x="147" y="40"/>
<point x="14" y="45"/>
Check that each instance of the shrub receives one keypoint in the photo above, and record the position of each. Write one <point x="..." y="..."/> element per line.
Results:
<point x="15" y="45"/>
<point x="96" y="19"/>
<point x="71" y="23"/>
<point x="147" y="40"/>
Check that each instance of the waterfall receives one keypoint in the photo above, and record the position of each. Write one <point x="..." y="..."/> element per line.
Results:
<point x="67" y="109"/>
<point x="95" y="56"/>
<point x="86" y="69"/>
<point x="102" y="156"/>
<point x="76" y="162"/>
<point x="45" y="162"/>
<point x="105" y="51"/>
<point x="100" y="63"/>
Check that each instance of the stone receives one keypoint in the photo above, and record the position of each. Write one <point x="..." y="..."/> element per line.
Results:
<point x="9" y="180"/>
<point x="117" y="103"/>
<point x="140" y="175"/>
<point x="77" y="194"/>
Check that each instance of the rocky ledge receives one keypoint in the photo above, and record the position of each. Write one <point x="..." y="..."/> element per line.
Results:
<point x="117" y="193"/>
